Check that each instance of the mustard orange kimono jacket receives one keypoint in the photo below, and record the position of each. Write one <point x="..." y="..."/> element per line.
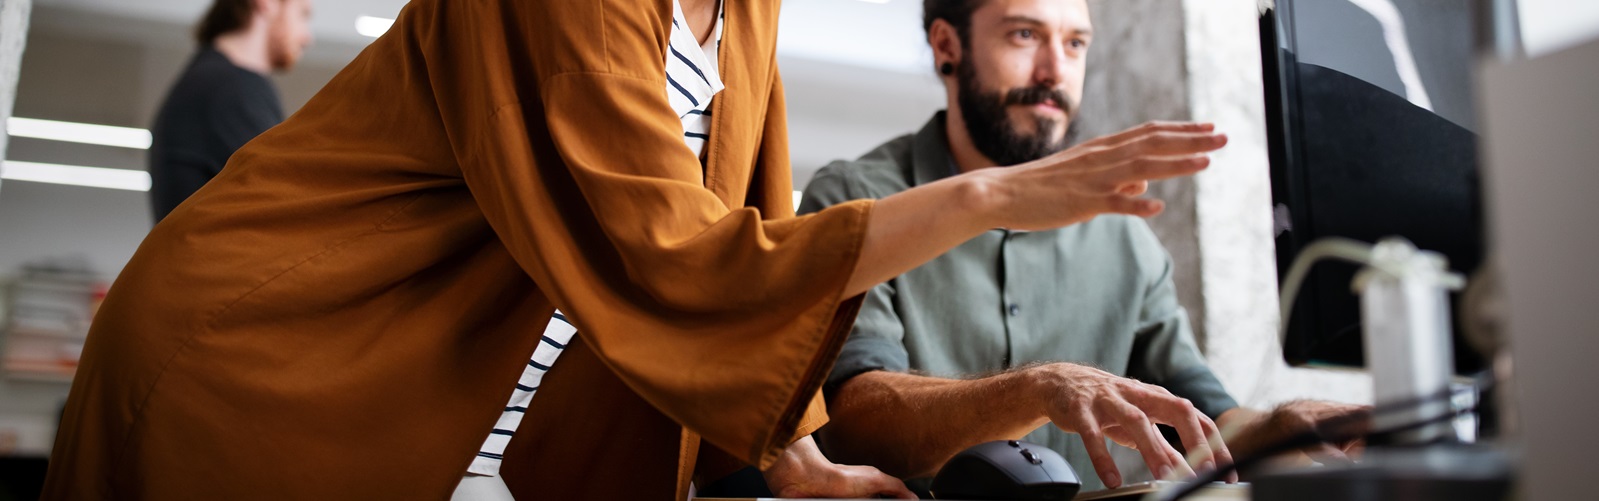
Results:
<point x="343" y="312"/>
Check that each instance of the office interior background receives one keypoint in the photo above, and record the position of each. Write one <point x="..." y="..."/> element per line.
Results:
<point x="857" y="72"/>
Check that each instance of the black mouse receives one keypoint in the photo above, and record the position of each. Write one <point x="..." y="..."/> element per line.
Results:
<point x="1006" y="470"/>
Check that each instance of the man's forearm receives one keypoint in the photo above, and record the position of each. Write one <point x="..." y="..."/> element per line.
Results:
<point x="909" y="425"/>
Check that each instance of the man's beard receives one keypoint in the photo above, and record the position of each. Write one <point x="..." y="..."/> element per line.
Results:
<point x="988" y="121"/>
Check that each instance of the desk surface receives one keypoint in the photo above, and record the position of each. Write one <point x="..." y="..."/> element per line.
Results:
<point x="1218" y="492"/>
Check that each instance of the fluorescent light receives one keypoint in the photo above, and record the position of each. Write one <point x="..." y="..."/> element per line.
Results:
<point x="104" y="135"/>
<point x="798" y="195"/>
<point x="93" y="177"/>
<point x="875" y="1"/>
<point x="372" y="26"/>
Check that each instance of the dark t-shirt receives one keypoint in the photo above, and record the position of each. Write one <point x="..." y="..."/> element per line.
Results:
<point x="214" y="108"/>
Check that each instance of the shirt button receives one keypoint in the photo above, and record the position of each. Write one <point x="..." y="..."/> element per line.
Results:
<point x="1015" y="309"/>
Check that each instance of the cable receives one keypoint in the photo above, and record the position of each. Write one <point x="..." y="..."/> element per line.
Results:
<point x="1393" y="257"/>
<point x="1340" y="429"/>
<point x="1341" y="248"/>
<point x="1326" y="248"/>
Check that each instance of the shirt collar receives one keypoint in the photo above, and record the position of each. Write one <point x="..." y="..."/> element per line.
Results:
<point x="930" y="157"/>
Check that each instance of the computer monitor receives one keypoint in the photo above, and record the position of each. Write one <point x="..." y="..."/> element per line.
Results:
<point x="1372" y="131"/>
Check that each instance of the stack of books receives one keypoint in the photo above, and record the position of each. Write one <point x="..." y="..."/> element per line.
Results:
<point x="47" y="313"/>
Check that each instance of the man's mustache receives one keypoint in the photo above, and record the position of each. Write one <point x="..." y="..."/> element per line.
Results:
<point x="1039" y="94"/>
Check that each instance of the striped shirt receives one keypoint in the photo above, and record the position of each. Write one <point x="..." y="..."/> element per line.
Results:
<point x="692" y="79"/>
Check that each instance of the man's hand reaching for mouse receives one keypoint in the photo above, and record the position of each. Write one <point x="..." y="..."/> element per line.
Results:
<point x="1097" y="405"/>
<point x="803" y="472"/>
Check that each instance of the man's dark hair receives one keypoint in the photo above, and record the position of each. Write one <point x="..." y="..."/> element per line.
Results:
<point x="957" y="13"/>
<point x="225" y="16"/>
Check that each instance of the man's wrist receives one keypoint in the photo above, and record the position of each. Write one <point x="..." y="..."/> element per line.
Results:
<point x="1244" y="429"/>
<point x="1038" y="386"/>
<point x="1238" y="418"/>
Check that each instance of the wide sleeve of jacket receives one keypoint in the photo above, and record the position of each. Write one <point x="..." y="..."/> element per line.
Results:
<point x="877" y="340"/>
<point x="724" y="318"/>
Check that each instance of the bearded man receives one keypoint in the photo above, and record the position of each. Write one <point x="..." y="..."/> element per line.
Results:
<point x="1067" y="337"/>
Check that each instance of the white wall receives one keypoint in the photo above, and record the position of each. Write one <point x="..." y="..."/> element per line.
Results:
<point x="1552" y="25"/>
<point x="13" y="38"/>
<point x="14" y="433"/>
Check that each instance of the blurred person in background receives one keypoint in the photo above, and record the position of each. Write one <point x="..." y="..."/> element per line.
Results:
<point x="224" y="99"/>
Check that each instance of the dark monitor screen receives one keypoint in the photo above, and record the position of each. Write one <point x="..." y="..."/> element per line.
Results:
<point x="1372" y="132"/>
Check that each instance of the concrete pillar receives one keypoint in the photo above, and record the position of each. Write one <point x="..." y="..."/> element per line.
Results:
<point x="1200" y="60"/>
<point x="1233" y="210"/>
<point x="13" y="36"/>
<point x="1135" y="75"/>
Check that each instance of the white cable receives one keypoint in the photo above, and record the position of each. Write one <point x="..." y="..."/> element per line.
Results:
<point x="1341" y="248"/>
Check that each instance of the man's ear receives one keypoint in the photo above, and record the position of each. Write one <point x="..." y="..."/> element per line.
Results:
<point x="267" y="8"/>
<point x="946" y="43"/>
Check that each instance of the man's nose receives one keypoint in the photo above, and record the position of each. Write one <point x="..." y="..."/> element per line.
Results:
<point x="1051" y="65"/>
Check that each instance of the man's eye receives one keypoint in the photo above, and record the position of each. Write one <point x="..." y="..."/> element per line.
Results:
<point x="1079" y="43"/>
<point x="1023" y="34"/>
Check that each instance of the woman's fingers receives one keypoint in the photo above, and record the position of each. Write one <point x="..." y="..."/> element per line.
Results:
<point x="1121" y="188"/>
<point x="1103" y="176"/>
<point x="1163" y="144"/>
<point x="1144" y="169"/>
<point x="1119" y="204"/>
<point x="1133" y="189"/>
<point x="1148" y="128"/>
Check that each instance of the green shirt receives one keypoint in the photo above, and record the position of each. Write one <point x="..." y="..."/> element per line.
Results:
<point x="1098" y="293"/>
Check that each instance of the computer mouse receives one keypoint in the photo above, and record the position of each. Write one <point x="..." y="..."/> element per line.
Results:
<point x="1006" y="470"/>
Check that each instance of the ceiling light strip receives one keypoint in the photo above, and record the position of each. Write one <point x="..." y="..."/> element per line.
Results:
<point x="73" y="175"/>
<point x="103" y="135"/>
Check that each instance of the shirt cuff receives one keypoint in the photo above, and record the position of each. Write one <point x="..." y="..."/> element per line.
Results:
<point x="1201" y="387"/>
<point x="865" y="354"/>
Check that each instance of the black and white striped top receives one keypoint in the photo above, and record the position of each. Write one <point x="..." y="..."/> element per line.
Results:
<point x="692" y="80"/>
<point x="693" y="77"/>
